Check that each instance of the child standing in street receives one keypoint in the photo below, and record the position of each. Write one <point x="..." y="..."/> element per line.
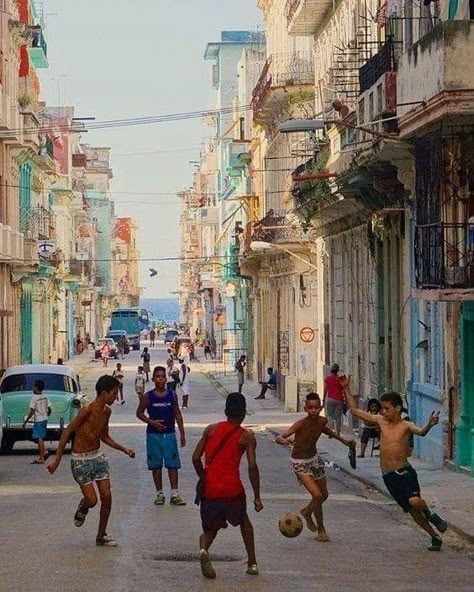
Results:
<point x="369" y="429"/>
<point x="240" y="368"/>
<point x="399" y="476"/>
<point x="140" y="382"/>
<point x="146" y="363"/>
<point x="184" y="371"/>
<point x="40" y="409"/>
<point x="88" y="462"/>
<point x="307" y="464"/>
<point x="159" y="409"/>
<point x="119" y="375"/>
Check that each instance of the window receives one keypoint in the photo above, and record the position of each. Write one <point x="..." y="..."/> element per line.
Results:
<point x="24" y="382"/>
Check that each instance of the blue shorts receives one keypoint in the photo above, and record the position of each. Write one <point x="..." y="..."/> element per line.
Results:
<point x="162" y="448"/>
<point x="40" y="430"/>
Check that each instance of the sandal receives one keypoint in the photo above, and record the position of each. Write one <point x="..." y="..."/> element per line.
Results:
<point x="252" y="570"/>
<point x="38" y="462"/>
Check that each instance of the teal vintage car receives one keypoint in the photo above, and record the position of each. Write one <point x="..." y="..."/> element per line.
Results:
<point x="62" y="389"/>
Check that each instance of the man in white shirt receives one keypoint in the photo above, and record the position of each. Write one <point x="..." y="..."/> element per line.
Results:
<point x="40" y="409"/>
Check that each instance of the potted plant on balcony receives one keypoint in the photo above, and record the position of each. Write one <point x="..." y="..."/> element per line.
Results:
<point x="308" y="195"/>
<point x="25" y="100"/>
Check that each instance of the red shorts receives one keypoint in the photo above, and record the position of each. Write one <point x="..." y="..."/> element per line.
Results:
<point x="216" y="513"/>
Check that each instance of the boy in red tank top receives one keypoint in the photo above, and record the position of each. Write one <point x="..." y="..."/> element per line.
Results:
<point x="223" y="500"/>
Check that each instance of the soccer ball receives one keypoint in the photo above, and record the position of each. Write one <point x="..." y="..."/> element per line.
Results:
<point x="290" y="525"/>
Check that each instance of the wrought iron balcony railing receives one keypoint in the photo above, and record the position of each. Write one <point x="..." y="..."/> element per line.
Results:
<point x="275" y="227"/>
<point x="37" y="223"/>
<point x="444" y="255"/>
<point x="283" y="70"/>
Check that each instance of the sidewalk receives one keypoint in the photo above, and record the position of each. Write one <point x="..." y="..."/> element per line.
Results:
<point x="451" y="493"/>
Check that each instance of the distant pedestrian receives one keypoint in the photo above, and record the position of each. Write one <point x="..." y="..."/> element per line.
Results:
<point x="207" y="350"/>
<point x="369" y="428"/>
<point x="221" y="493"/>
<point x="40" y="410"/>
<point x="105" y="354"/>
<point x="184" y="371"/>
<point x="307" y="464"/>
<point x="121" y="341"/>
<point x="333" y="398"/>
<point x="146" y="363"/>
<point x="90" y="427"/>
<point x="140" y="380"/>
<point x="119" y="375"/>
<point x="240" y="368"/>
<point x="399" y="476"/>
<point x="79" y="345"/>
<point x="60" y="362"/>
<point x="159" y="409"/>
<point x="172" y="374"/>
<point x="152" y="338"/>
<point x="270" y="383"/>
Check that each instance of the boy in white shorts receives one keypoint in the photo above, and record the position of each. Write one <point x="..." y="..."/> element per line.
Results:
<point x="307" y="464"/>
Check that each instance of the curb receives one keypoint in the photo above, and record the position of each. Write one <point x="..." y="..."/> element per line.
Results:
<point x="223" y="392"/>
<point x="372" y="485"/>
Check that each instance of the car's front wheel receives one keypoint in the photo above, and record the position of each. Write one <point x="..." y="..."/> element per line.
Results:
<point x="7" y="444"/>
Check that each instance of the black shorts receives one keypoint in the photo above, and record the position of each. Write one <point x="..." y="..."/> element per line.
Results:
<point x="402" y="485"/>
<point x="368" y="433"/>
<point x="216" y="513"/>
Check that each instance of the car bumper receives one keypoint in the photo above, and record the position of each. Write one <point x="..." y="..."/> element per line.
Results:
<point x="53" y="433"/>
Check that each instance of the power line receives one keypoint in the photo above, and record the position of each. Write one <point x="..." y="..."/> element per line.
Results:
<point x="128" y="122"/>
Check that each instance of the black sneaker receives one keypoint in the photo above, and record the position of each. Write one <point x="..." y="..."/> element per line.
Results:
<point x="438" y="522"/>
<point x="80" y="515"/>
<point x="436" y="544"/>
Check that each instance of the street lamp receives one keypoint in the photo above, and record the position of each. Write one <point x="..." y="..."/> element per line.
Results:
<point x="262" y="246"/>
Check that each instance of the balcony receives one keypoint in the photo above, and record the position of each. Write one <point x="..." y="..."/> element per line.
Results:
<point x="435" y="74"/>
<point x="276" y="228"/>
<point x="444" y="256"/>
<point x="383" y="61"/>
<point x="304" y="17"/>
<point x="231" y="270"/>
<point x="236" y="157"/>
<point x="38" y="48"/>
<point x="37" y="223"/>
<point x="283" y="77"/>
<point x="11" y="245"/>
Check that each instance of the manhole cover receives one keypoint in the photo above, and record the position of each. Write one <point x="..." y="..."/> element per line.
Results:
<point x="188" y="557"/>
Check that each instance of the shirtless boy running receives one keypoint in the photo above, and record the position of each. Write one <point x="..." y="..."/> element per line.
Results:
<point x="88" y="463"/>
<point x="307" y="464"/>
<point x="399" y="476"/>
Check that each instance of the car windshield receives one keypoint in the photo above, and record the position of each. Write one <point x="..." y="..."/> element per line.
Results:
<point x="24" y="382"/>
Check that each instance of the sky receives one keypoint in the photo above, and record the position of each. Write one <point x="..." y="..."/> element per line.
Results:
<point x="115" y="59"/>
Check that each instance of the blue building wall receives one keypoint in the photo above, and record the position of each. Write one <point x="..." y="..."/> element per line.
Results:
<point x="425" y="388"/>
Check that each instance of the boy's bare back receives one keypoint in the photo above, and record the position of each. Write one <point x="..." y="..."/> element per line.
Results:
<point x="92" y="423"/>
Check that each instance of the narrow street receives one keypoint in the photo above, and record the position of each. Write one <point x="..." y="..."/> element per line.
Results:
<point x="373" y="544"/>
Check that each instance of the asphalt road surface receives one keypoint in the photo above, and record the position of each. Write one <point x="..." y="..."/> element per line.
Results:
<point x="374" y="546"/>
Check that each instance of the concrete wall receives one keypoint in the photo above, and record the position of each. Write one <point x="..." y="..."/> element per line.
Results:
<point x="440" y="61"/>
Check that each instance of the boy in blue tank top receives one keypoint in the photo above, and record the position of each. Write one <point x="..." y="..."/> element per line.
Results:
<point x="159" y="409"/>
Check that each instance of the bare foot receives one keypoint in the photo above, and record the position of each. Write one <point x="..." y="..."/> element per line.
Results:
<point x="323" y="537"/>
<point x="307" y="515"/>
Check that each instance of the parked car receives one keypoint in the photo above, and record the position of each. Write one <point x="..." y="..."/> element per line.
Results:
<point x="62" y="389"/>
<point x="170" y="335"/>
<point x="117" y="335"/>
<point x="113" y="347"/>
